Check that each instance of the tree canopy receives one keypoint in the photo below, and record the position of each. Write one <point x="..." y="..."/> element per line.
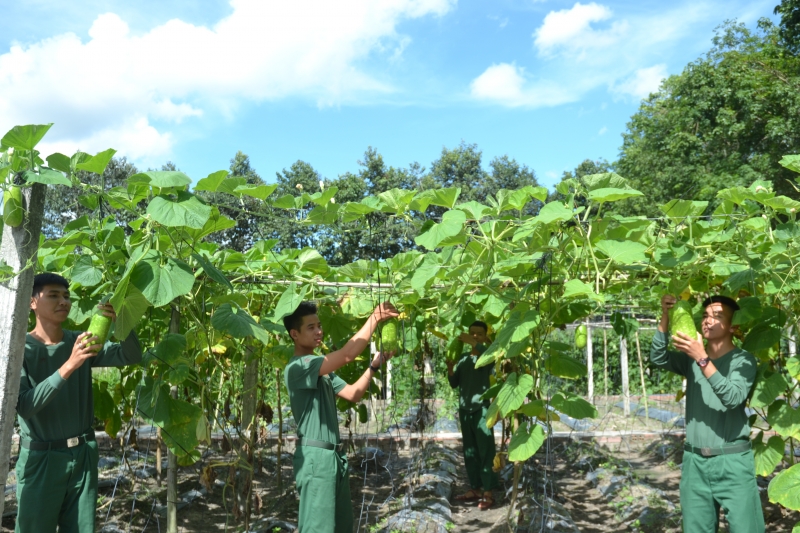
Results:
<point x="725" y="121"/>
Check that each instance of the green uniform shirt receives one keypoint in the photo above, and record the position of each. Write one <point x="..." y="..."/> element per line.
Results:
<point x="715" y="412"/>
<point x="53" y="408"/>
<point x="313" y="398"/>
<point x="471" y="382"/>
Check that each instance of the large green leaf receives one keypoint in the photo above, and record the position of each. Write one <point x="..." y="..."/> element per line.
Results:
<point x="792" y="162"/>
<point x="171" y="349"/>
<point x="573" y="406"/>
<point x="793" y="367"/>
<point x="289" y="301"/>
<point x="168" y="178"/>
<point x="576" y="288"/>
<point x="612" y="194"/>
<point x="525" y="442"/>
<point x="162" y="280"/>
<point x="97" y="163"/>
<point x="553" y="212"/>
<point x="784" y="419"/>
<point x="238" y="323"/>
<point x="85" y="273"/>
<point x="446" y="197"/>
<point x="762" y="337"/>
<point x="425" y="272"/>
<point x="624" y="252"/>
<point x="565" y="367"/>
<point x="785" y="488"/>
<point x="261" y="192"/>
<point x="516" y="329"/>
<point x="178" y="419"/>
<point x="605" y="180"/>
<point x="185" y="210"/>
<point x="214" y="182"/>
<point x="767" y="455"/>
<point x="355" y="210"/>
<point x="47" y="177"/>
<point x="25" y="137"/>
<point x="130" y="305"/>
<point x="212" y="271"/>
<point x="59" y="162"/>
<point x="683" y="208"/>
<point x="452" y="223"/>
<point x="396" y="200"/>
<point x="513" y="392"/>
<point x="769" y="385"/>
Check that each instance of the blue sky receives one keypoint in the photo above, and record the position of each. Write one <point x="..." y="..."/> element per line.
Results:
<point x="550" y="83"/>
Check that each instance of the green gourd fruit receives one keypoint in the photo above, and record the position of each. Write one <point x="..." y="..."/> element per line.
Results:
<point x="581" y="334"/>
<point x="13" y="213"/>
<point x="99" y="327"/>
<point x="456" y="350"/>
<point x="680" y="320"/>
<point x="389" y="336"/>
<point x="362" y="414"/>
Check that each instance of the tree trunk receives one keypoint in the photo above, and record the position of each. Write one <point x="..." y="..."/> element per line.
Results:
<point x="18" y="248"/>
<point x="623" y="363"/>
<point x="589" y="363"/>
<point x="172" y="460"/>
<point x="641" y="375"/>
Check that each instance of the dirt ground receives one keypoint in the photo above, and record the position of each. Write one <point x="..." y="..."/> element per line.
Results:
<point x="377" y="490"/>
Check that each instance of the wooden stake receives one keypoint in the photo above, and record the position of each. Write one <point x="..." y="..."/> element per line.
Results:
<point x="590" y="362"/>
<point x="641" y="375"/>
<point x="623" y="363"/>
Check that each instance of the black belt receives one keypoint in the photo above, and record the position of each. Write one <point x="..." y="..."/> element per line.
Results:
<point x="319" y="444"/>
<point x="719" y="450"/>
<point x="57" y="444"/>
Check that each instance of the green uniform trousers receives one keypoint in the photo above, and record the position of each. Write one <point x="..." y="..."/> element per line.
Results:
<point x="57" y="488"/>
<point x="479" y="449"/>
<point x="727" y="481"/>
<point x="324" y="486"/>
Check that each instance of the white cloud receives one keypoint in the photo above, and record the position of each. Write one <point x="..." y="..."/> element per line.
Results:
<point x="571" y="31"/>
<point x="125" y="90"/>
<point x="643" y="82"/>
<point x="508" y="85"/>
<point x="603" y="131"/>
<point x="589" y="47"/>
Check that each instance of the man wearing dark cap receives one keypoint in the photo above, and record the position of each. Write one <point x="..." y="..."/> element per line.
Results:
<point x="718" y="466"/>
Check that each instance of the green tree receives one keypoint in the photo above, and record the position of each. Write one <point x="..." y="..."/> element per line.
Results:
<point x="789" y="10"/>
<point x="248" y="212"/>
<point x="726" y="120"/>
<point x="459" y="167"/>
<point x="507" y="173"/>
<point x="299" y="178"/>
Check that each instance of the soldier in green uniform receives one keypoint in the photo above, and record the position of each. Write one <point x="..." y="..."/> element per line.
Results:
<point x="477" y="439"/>
<point x="320" y="464"/>
<point x="718" y="466"/>
<point x="57" y="467"/>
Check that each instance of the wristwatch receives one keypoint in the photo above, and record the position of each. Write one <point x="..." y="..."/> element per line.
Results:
<point x="702" y="363"/>
<point x="373" y="368"/>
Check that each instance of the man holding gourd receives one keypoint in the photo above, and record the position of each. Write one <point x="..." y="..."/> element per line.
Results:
<point x="57" y="466"/>
<point x="718" y="468"/>
<point x="477" y="438"/>
<point x="320" y="462"/>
